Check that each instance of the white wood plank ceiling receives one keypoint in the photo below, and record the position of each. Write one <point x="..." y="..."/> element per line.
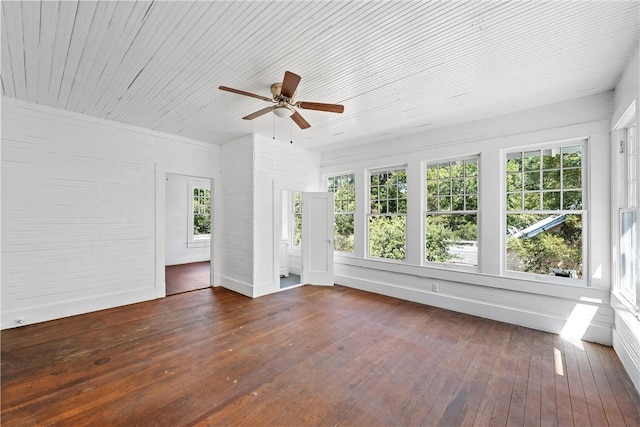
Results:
<point x="398" y="67"/>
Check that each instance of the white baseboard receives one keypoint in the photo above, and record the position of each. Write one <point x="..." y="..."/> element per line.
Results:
<point x="628" y="359"/>
<point x="260" y="289"/>
<point x="30" y="315"/>
<point x="243" y="288"/>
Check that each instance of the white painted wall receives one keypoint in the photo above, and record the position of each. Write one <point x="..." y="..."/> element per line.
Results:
<point x="79" y="210"/>
<point x="487" y="291"/>
<point x="237" y="212"/>
<point x="626" y="327"/>
<point x="178" y="209"/>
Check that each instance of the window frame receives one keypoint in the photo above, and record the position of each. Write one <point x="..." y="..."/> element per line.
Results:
<point x="370" y="215"/>
<point x="625" y="181"/>
<point x="346" y="175"/>
<point x="426" y="212"/>
<point x="583" y="212"/>
<point x="194" y="241"/>
<point x="296" y="211"/>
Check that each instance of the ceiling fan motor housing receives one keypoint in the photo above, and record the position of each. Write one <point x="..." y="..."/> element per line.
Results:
<point x="276" y="94"/>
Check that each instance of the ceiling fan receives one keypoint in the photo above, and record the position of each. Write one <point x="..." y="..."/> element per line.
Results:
<point x="283" y="98"/>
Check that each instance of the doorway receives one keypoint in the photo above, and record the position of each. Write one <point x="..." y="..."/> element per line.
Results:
<point x="289" y="243"/>
<point x="303" y="223"/>
<point x="188" y="227"/>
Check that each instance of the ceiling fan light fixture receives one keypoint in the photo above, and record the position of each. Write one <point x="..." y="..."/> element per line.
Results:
<point x="283" y="111"/>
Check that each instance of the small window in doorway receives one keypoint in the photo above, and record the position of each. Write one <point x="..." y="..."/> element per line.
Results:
<point x="296" y="213"/>
<point x="200" y="213"/>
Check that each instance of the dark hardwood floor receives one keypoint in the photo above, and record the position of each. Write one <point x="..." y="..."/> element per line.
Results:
<point x="187" y="277"/>
<point x="304" y="356"/>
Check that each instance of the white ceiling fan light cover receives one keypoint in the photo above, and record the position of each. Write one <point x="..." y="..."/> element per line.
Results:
<point x="283" y="111"/>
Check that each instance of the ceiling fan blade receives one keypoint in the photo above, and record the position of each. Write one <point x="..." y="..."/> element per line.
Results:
<point x="242" y="92"/>
<point x="300" y="121"/>
<point x="289" y="84"/>
<point x="332" y="108"/>
<point x="258" y="113"/>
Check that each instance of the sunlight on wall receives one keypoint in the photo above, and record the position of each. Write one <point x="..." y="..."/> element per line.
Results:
<point x="578" y="321"/>
<point x="597" y="274"/>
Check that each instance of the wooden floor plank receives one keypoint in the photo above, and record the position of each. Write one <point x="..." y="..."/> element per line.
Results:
<point x="623" y="390"/>
<point x="605" y="391"/>
<point x="594" y="402"/>
<point x="564" y="411"/>
<point x="521" y="381"/>
<point x="533" y="402"/>
<point x="305" y="356"/>
<point x="576" y="388"/>
<point x="548" y="412"/>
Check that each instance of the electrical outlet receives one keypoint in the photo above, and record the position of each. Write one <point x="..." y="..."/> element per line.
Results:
<point x="434" y="287"/>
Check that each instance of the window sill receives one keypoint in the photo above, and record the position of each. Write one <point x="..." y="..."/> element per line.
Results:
<point x="530" y="285"/>
<point x="623" y="303"/>
<point x="199" y="244"/>
<point x="544" y="278"/>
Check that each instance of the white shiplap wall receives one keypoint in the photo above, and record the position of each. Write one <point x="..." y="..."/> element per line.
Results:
<point x="79" y="210"/>
<point x="279" y="166"/>
<point x="487" y="292"/>
<point x="237" y="215"/>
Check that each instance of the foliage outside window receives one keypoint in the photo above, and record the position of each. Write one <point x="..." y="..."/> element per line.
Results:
<point x="387" y="214"/>
<point x="296" y="214"/>
<point x="451" y="218"/>
<point x="343" y="187"/>
<point x="544" y="201"/>
<point x="201" y="213"/>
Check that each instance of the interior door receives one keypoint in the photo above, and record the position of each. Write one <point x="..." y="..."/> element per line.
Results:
<point x="317" y="239"/>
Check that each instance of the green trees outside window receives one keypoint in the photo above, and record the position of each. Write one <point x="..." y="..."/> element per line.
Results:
<point x="451" y="218"/>
<point x="297" y="218"/>
<point x="544" y="211"/>
<point x="387" y="214"/>
<point x="201" y="213"/>
<point x="343" y="187"/>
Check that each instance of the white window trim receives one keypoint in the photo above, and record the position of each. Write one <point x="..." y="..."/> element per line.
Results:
<point x="368" y="214"/>
<point x="200" y="241"/>
<point x="619" y="191"/>
<point x="425" y="212"/>
<point x="584" y="280"/>
<point x="326" y="181"/>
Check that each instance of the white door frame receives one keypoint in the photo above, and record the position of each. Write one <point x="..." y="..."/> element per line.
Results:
<point x="161" y="171"/>
<point x="277" y="232"/>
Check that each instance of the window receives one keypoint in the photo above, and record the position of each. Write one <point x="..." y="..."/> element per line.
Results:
<point x="628" y="213"/>
<point x="387" y="214"/>
<point x="451" y="217"/>
<point x="296" y="214"/>
<point x="545" y="215"/>
<point x="344" y="210"/>
<point x="200" y="218"/>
